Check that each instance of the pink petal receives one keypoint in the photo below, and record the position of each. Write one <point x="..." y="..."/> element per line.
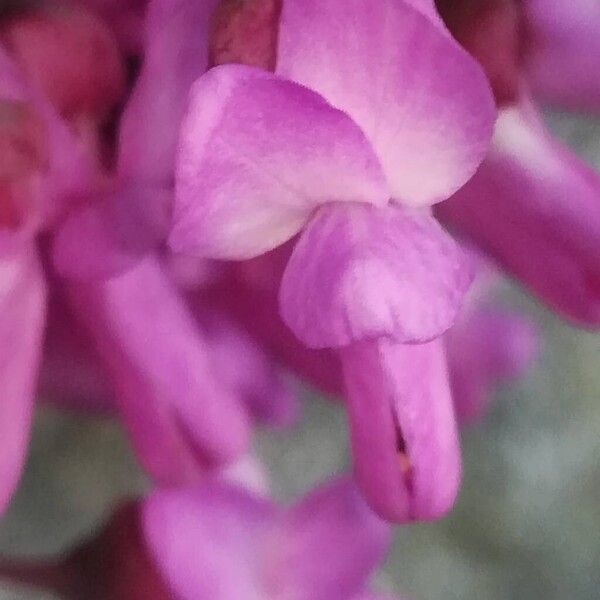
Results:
<point x="563" y="59"/>
<point x="403" y="431"/>
<point x="208" y="542"/>
<point x="22" y="315"/>
<point x="248" y="293"/>
<point x="114" y="232"/>
<point x="111" y="233"/>
<point x="332" y="543"/>
<point x="361" y="272"/>
<point x="422" y="101"/>
<point x="257" y="155"/>
<point x="71" y="376"/>
<point x="535" y="207"/>
<point x="247" y="372"/>
<point x="484" y="348"/>
<point x="179" y="416"/>
<point x="176" y="54"/>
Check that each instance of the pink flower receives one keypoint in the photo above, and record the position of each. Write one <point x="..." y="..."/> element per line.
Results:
<point x="129" y="220"/>
<point x="534" y="206"/>
<point x="322" y="547"/>
<point x="563" y="51"/>
<point x="488" y="345"/>
<point x="374" y="115"/>
<point x="42" y="169"/>
<point x="218" y="541"/>
<point x="180" y="392"/>
<point x="185" y="400"/>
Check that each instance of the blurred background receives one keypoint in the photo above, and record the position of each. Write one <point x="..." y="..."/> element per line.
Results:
<point x="526" y="526"/>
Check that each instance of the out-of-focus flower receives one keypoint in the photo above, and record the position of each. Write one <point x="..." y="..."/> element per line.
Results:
<point x="184" y="399"/>
<point x="563" y="51"/>
<point x="180" y="417"/>
<point x="70" y="55"/>
<point x="218" y="541"/>
<point x="73" y="376"/>
<point x="325" y="546"/>
<point x="534" y="206"/>
<point x="354" y="117"/>
<point x="117" y="228"/>
<point x="487" y="345"/>
<point x="42" y="169"/>
<point x="179" y="393"/>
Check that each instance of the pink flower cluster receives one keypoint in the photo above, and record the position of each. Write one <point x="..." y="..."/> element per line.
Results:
<point x="199" y="196"/>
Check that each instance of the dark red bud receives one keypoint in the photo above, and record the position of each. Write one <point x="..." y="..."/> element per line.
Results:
<point x="492" y="32"/>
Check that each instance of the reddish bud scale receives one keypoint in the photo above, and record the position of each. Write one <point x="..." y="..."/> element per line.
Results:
<point x="116" y="565"/>
<point x="492" y="32"/>
<point x="245" y="32"/>
<point x="113" y="566"/>
<point x="71" y="55"/>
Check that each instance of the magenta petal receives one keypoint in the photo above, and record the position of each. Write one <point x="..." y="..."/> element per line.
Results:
<point x="71" y="376"/>
<point x="364" y="272"/>
<point x="176" y="54"/>
<point x="22" y="314"/>
<point x="484" y="348"/>
<point x="209" y="542"/>
<point x="111" y="234"/>
<point x="256" y="308"/>
<point x="241" y="365"/>
<point x="404" y="437"/>
<point x="179" y="416"/>
<point x="422" y="101"/>
<point x="331" y="542"/>
<point x="257" y="155"/>
<point x="87" y="245"/>
<point x="563" y="60"/>
<point x="535" y="207"/>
